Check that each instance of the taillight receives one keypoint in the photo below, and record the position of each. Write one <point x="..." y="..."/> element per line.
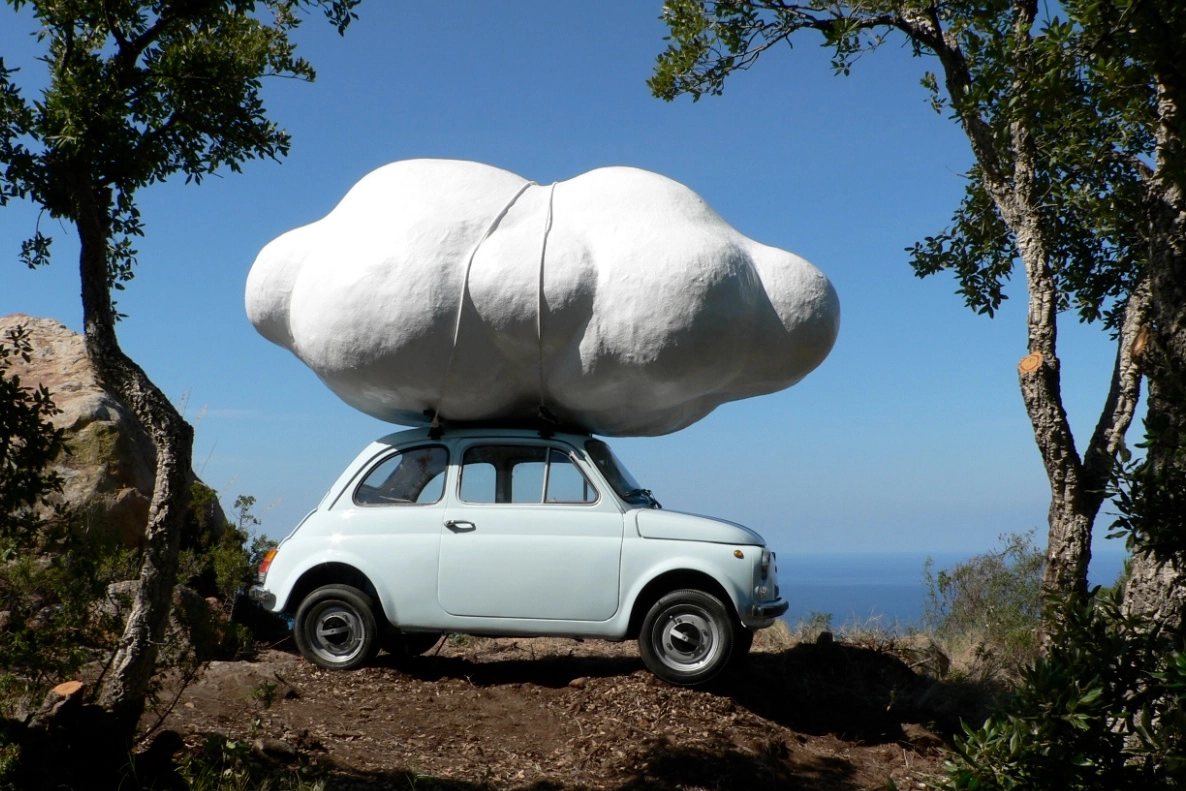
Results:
<point x="264" y="564"/>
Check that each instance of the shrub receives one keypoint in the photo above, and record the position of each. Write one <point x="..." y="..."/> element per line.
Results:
<point x="28" y="441"/>
<point x="221" y="564"/>
<point x="52" y="574"/>
<point x="989" y="605"/>
<point x="1103" y="710"/>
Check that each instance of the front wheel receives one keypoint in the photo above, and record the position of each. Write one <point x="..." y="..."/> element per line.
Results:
<point x="687" y="637"/>
<point x="742" y="643"/>
<point x="335" y="628"/>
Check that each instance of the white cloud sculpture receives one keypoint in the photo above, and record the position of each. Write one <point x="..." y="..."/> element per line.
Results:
<point x="619" y="300"/>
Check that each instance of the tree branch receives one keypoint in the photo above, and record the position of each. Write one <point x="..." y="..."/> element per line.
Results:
<point x="927" y="29"/>
<point x="1123" y="393"/>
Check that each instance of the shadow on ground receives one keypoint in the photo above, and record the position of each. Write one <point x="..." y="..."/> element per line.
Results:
<point x="668" y="768"/>
<point x="553" y="672"/>
<point x="856" y="693"/>
<point x="853" y="692"/>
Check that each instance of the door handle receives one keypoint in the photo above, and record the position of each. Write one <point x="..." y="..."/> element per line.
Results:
<point x="460" y="525"/>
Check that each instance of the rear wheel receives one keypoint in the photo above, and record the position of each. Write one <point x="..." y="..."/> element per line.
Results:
<point x="687" y="637"/>
<point x="335" y="628"/>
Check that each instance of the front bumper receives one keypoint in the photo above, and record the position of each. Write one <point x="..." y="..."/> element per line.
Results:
<point x="770" y="609"/>
<point x="262" y="596"/>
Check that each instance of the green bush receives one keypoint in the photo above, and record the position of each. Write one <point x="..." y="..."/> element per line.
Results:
<point x="55" y="616"/>
<point x="1103" y="710"/>
<point x="221" y="564"/>
<point x="28" y="441"/>
<point x="990" y="605"/>
<point x="52" y="590"/>
<point x="52" y="573"/>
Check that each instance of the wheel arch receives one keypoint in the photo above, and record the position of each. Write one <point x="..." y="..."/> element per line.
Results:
<point x="668" y="581"/>
<point x="334" y="573"/>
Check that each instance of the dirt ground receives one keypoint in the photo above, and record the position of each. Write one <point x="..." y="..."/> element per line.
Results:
<point x="559" y="714"/>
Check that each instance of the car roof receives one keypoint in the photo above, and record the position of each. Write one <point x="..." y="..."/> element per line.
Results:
<point x="481" y="432"/>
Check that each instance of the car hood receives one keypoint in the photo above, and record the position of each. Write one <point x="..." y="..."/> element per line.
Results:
<point x="679" y="526"/>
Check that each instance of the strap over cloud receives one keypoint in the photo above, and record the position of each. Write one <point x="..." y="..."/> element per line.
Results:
<point x="619" y="300"/>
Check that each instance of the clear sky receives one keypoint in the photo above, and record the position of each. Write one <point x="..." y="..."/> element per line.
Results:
<point x="911" y="435"/>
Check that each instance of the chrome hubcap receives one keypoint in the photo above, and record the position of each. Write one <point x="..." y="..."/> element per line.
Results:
<point x="338" y="633"/>
<point x="687" y="639"/>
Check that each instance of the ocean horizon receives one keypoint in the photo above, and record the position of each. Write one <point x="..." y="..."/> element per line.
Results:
<point x="882" y="588"/>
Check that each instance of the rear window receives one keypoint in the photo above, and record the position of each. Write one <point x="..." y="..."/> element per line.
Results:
<point x="413" y="476"/>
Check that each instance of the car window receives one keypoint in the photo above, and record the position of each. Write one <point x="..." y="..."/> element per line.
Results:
<point x="522" y="474"/>
<point x="618" y="476"/>
<point x="613" y="470"/>
<point x="566" y="482"/>
<point x="416" y="475"/>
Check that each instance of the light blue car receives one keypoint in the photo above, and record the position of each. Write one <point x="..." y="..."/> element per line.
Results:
<point x="506" y="531"/>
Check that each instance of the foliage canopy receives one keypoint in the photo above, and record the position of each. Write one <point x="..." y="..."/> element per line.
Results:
<point x="140" y="91"/>
<point x="999" y="64"/>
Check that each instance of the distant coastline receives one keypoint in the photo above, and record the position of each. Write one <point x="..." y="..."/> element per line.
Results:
<point x="883" y="588"/>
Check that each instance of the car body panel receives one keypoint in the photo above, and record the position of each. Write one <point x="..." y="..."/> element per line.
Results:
<point x="679" y="526"/>
<point x="560" y="563"/>
<point x="536" y="568"/>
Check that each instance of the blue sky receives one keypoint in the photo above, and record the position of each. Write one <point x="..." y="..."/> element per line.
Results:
<point x="911" y="436"/>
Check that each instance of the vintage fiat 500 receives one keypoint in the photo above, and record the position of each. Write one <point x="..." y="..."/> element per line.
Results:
<point x="510" y="531"/>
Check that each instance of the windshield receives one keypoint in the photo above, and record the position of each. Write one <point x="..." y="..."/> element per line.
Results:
<point x="618" y="476"/>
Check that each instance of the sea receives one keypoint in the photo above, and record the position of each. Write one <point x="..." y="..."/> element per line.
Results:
<point x="880" y="589"/>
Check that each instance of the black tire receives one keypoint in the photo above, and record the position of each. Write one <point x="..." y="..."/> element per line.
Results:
<point x="743" y="641"/>
<point x="335" y="628"/>
<point x="404" y="645"/>
<point x="687" y="637"/>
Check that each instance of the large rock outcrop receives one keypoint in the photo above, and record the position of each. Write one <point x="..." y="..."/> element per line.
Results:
<point x="110" y="463"/>
<point x="619" y="300"/>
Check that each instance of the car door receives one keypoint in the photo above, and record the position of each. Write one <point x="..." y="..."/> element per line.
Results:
<point x="393" y="514"/>
<point x="527" y="535"/>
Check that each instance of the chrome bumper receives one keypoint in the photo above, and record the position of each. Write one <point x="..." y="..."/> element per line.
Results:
<point x="262" y="596"/>
<point x="770" y="609"/>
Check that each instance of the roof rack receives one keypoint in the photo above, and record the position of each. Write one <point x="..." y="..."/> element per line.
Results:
<point x="545" y="423"/>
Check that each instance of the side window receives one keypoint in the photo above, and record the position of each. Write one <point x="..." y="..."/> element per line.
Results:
<point x="566" y="483"/>
<point x="522" y="474"/>
<point x="503" y="474"/>
<point x="478" y="480"/>
<point x="416" y="475"/>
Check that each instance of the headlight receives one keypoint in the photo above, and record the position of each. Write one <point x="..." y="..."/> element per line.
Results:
<point x="764" y="567"/>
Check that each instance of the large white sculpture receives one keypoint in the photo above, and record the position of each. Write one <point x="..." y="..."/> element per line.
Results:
<point x="619" y="300"/>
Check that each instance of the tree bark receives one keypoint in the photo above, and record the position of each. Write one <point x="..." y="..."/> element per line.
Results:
<point x="1077" y="484"/>
<point x="1156" y="590"/>
<point x="126" y="685"/>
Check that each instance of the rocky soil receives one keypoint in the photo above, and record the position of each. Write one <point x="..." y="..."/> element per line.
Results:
<point x="558" y="714"/>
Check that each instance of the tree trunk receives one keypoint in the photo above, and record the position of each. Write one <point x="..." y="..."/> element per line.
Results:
<point x="126" y="685"/>
<point x="1077" y="484"/>
<point x="1156" y="590"/>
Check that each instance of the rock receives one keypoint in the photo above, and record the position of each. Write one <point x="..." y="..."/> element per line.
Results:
<point x="618" y="300"/>
<point x="194" y="624"/>
<point x="109" y="470"/>
<point x="275" y="749"/>
<point x="928" y="658"/>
